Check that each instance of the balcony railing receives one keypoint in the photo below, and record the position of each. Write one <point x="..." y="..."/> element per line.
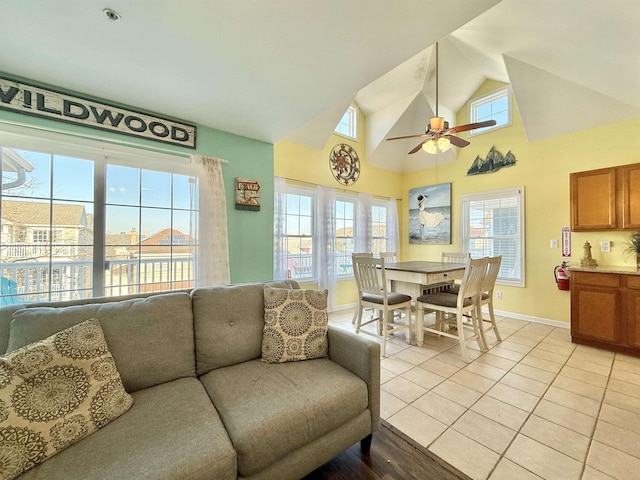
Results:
<point x="37" y="250"/>
<point x="24" y="282"/>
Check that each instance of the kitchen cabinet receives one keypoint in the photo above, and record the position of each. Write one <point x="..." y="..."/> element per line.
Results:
<point x="606" y="199"/>
<point x="605" y="307"/>
<point x="630" y="179"/>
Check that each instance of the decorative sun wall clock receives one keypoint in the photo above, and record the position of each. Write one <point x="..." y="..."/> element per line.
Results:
<point x="344" y="164"/>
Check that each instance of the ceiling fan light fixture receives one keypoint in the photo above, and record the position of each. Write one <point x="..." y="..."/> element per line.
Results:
<point x="444" y="144"/>
<point x="436" y="123"/>
<point x="430" y="146"/>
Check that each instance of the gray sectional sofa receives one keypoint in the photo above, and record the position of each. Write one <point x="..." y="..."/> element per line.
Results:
<point x="204" y="405"/>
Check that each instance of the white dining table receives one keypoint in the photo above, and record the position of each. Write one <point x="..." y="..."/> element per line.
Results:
<point x="413" y="278"/>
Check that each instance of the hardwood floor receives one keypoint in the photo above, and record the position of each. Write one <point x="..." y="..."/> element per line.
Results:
<point x="392" y="457"/>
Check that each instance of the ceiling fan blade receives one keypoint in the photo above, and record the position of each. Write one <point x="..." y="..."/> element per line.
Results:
<point x="409" y="136"/>
<point x="457" y="141"/>
<point x="471" y="126"/>
<point x="416" y="148"/>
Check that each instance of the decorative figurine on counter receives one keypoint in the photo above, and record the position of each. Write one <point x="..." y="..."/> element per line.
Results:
<point x="586" y="260"/>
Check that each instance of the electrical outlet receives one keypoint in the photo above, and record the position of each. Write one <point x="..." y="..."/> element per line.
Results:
<point x="605" y="246"/>
<point x="498" y="294"/>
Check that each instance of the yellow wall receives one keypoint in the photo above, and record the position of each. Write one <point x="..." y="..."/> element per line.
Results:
<point x="301" y="163"/>
<point x="542" y="167"/>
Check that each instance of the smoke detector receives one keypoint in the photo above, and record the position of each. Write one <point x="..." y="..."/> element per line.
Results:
<point x="112" y="15"/>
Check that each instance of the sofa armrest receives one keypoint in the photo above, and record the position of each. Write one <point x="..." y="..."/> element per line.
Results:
<point x="360" y="356"/>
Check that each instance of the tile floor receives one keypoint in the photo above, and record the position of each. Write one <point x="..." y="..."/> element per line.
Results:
<point x="534" y="406"/>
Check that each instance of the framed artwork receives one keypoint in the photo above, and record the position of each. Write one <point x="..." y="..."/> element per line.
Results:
<point x="247" y="194"/>
<point x="430" y="215"/>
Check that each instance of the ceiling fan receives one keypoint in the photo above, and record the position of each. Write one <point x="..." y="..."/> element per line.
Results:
<point x="438" y="134"/>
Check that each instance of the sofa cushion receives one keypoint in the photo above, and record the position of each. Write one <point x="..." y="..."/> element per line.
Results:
<point x="55" y="392"/>
<point x="295" y="325"/>
<point x="271" y="410"/>
<point x="172" y="431"/>
<point x="228" y="323"/>
<point x="151" y="339"/>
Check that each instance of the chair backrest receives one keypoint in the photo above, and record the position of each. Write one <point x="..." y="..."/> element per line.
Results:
<point x="455" y="257"/>
<point x="362" y="254"/>
<point x="370" y="275"/>
<point x="474" y="274"/>
<point x="389" y="257"/>
<point x="493" y="268"/>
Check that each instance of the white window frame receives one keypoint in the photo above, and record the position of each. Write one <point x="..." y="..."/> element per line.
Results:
<point x="350" y="121"/>
<point x="346" y="271"/>
<point x="304" y="192"/>
<point x="101" y="153"/>
<point x="485" y="99"/>
<point x="385" y="238"/>
<point x="465" y="235"/>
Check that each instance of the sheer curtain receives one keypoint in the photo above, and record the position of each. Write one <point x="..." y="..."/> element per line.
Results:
<point x="279" y="235"/>
<point x="364" y="230"/>
<point x="393" y="231"/>
<point x="325" y="235"/>
<point x="209" y="226"/>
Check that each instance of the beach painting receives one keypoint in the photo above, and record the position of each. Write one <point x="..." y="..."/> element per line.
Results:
<point x="430" y="215"/>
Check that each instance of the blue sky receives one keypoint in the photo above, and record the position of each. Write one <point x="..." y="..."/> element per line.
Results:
<point x="135" y="198"/>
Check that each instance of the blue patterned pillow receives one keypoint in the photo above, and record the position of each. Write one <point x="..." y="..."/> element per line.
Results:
<point x="295" y="325"/>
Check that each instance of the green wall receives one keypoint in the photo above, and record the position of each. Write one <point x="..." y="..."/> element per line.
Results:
<point x="250" y="233"/>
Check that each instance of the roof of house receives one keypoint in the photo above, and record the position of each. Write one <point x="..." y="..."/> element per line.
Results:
<point x="39" y="213"/>
<point x="166" y="240"/>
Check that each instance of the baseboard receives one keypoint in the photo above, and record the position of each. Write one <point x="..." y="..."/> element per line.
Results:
<point x="502" y="313"/>
<point x="531" y="318"/>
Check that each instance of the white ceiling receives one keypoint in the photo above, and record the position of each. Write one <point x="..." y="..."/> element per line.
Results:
<point x="288" y="69"/>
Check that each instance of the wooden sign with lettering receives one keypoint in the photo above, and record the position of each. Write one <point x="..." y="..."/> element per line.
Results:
<point x="32" y="100"/>
<point x="247" y="194"/>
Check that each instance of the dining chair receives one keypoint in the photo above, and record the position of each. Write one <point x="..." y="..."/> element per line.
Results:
<point x="354" y="255"/>
<point x="465" y="302"/>
<point x="389" y="257"/>
<point x="373" y="293"/>
<point x="486" y="298"/>
<point x="455" y="257"/>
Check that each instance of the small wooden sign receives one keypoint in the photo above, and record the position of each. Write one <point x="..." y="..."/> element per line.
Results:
<point x="42" y="102"/>
<point x="247" y="194"/>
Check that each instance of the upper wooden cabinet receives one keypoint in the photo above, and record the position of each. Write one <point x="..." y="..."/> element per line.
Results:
<point x="631" y="196"/>
<point x="606" y="199"/>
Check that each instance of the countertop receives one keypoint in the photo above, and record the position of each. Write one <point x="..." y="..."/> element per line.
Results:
<point x="625" y="270"/>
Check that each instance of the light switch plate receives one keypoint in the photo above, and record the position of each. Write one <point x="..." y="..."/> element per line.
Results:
<point x="553" y="243"/>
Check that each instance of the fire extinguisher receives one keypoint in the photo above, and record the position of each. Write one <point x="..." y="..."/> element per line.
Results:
<point x="561" y="273"/>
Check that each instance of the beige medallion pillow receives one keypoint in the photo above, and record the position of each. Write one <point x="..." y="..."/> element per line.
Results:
<point x="295" y="325"/>
<point x="54" y="393"/>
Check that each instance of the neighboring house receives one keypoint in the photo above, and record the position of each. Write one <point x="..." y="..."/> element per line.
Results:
<point x="165" y="260"/>
<point x="27" y="235"/>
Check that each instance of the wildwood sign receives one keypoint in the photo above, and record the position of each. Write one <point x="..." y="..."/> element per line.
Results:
<point x="24" y="98"/>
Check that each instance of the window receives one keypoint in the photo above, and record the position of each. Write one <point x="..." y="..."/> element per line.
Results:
<point x="493" y="106"/>
<point x="379" y="229"/>
<point x="360" y="225"/>
<point x="40" y="236"/>
<point x="345" y="235"/>
<point x="77" y="222"/>
<point x="348" y="125"/>
<point x="298" y="228"/>
<point x="493" y="224"/>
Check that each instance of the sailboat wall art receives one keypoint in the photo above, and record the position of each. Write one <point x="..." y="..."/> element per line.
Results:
<point x="494" y="162"/>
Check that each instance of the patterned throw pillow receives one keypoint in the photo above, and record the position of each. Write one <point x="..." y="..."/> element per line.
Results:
<point x="54" y="393"/>
<point x="295" y="325"/>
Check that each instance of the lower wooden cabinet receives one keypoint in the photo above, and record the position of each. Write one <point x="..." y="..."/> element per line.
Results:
<point x="605" y="310"/>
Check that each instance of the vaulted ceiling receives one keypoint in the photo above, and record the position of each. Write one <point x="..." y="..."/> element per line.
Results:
<point x="288" y="69"/>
